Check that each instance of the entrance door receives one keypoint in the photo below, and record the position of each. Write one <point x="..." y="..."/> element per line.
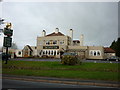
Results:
<point x="26" y="53"/>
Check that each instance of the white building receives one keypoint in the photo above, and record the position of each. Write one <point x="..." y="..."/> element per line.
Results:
<point x="56" y="43"/>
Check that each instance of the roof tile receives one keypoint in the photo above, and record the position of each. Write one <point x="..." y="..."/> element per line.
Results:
<point x="109" y="50"/>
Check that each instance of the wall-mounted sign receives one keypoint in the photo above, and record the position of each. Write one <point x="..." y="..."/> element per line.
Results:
<point x="50" y="47"/>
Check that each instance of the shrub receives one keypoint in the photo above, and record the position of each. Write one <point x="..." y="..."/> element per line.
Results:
<point x="70" y="60"/>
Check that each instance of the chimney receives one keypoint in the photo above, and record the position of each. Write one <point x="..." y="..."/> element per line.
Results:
<point x="71" y="35"/>
<point x="43" y="33"/>
<point x="81" y="39"/>
<point x="56" y="30"/>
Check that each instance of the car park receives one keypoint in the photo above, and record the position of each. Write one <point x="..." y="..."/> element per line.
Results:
<point x="113" y="58"/>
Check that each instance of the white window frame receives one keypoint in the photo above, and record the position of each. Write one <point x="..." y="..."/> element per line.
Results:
<point x="91" y="52"/>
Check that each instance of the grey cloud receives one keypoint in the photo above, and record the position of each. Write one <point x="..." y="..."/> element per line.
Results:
<point x="97" y="21"/>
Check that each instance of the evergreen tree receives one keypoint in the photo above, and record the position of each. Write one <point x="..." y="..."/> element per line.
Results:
<point x="113" y="45"/>
<point x="116" y="46"/>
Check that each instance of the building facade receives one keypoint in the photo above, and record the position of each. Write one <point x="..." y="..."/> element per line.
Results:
<point x="52" y="44"/>
<point x="108" y="52"/>
<point x="56" y="43"/>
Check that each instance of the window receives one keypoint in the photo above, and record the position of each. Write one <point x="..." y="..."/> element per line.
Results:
<point x="55" y="42"/>
<point x="19" y="53"/>
<point x="91" y="53"/>
<point x="46" y="52"/>
<point x="54" y="53"/>
<point x="62" y="42"/>
<point x="47" y="42"/>
<point x="98" y="53"/>
<point x="58" y="53"/>
<point x="40" y="53"/>
<point x="49" y="53"/>
<point x="43" y="52"/>
<point x="95" y="53"/>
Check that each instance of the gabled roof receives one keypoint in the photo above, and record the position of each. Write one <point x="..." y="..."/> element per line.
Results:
<point x="56" y="34"/>
<point x="108" y="50"/>
<point x="33" y="47"/>
<point x="29" y="47"/>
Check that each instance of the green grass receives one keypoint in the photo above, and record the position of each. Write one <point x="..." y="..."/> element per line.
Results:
<point x="96" y="71"/>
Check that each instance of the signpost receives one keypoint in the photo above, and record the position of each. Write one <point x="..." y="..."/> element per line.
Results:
<point x="7" y="39"/>
<point x="7" y="42"/>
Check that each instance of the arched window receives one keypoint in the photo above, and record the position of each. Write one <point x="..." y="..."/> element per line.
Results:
<point x="54" y="53"/>
<point x="98" y="53"/>
<point x="95" y="53"/>
<point x="58" y="53"/>
<point x="49" y="52"/>
<point x="40" y="53"/>
<point x="46" y="52"/>
<point x="43" y="52"/>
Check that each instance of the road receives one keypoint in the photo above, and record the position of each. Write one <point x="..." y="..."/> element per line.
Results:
<point x="52" y="60"/>
<point x="7" y="83"/>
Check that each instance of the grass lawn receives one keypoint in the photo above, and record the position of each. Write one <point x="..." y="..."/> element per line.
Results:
<point x="95" y="71"/>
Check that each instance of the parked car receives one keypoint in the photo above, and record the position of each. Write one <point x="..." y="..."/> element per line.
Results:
<point x="68" y="54"/>
<point x="113" y="58"/>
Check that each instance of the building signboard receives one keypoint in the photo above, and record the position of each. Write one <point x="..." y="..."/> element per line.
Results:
<point x="50" y="47"/>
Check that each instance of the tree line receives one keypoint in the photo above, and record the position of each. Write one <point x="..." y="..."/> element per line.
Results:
<point x="116" y="46"/>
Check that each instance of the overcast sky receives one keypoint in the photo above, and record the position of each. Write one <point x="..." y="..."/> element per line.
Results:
<point x="98" y="21"/>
